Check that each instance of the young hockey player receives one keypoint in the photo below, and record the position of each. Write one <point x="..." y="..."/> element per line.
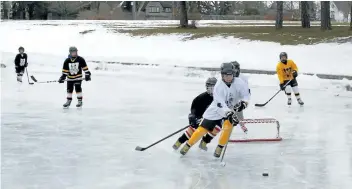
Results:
<point x="72" y="69"/>
<point x="20" y="63"/>
<point x="230" y="95"/>
<point x="198" y="107"/>
<point x="286" y="71"/>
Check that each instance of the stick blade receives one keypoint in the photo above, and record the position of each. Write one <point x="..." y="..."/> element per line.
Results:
<point x="33" y="78"/>
<point x="138" y="148"/>
<point x="259" y="105"/>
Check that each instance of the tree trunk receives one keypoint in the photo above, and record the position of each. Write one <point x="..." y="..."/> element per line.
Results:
<point x="351" y="17"/>
<point x="5" y="10"/>
<point x="325" y="22"/>
<point x="279" y="14"/>
<point x="31" y="12"/>
<point x="305" y="17"/>
<point x="183" y="15"/>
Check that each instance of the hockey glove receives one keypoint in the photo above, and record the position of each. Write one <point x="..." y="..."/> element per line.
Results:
<point x="87" y="77"/>
<point x="282" y="86"/>
<point x="192" y="119"/>
<point x="240" y="106"/>
<point x="294" y="74"/>
<point x="232" y="117"/>
<point x="62" y="79"/>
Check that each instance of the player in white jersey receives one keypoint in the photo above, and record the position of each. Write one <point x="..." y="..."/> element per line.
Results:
<point x="230" y="95"/>
<point x="209" y="137"/>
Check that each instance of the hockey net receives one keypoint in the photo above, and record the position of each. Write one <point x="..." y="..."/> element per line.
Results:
<point x="259" y="130"/>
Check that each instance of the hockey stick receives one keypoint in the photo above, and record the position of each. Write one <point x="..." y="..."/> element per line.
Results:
<point x="28" y="78"/>
<point x="261" y="105"/>
<point x="138" y="148"/>
<point x="35" y="80"/>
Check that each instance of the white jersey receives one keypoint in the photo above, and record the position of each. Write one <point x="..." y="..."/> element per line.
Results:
<point x="225" y="98"/>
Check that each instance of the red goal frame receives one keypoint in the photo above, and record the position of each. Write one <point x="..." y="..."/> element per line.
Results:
<point x="264" y="120"/>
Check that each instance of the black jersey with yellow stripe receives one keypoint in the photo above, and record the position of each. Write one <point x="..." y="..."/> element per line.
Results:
<point x="73" y="67"/>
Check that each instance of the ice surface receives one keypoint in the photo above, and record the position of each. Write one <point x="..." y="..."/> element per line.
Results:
<point x="52" y="38"/>
<point x="44" y="146"/>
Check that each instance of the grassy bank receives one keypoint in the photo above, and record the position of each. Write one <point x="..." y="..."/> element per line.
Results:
<point x="290" y="35"/>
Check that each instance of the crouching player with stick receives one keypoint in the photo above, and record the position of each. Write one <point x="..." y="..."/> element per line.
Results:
<point x="228" y="92"/>
<point x="198" y="107"/>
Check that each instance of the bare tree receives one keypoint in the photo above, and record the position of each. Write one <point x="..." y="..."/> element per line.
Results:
<point x="183" y="15"/>
<point x="325" y="22"/>
<point x="279" y="14"/>
<point x="305" y="17"/>
<point x="65" y="9"/>
<point x="3" y="8"/>
<point x="19" y="10"/>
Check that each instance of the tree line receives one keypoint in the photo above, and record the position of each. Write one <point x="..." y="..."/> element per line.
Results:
<point x="34" y="10"/>
<point x="305" y="6"/>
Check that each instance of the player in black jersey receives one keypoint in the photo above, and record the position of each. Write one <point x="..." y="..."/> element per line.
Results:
<point x="20" y="63"/>
<point x="72" y="69"/>
<point x="198" y="107"/>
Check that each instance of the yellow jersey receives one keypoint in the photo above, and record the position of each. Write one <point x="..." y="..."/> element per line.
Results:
<point x="284" y="71"/>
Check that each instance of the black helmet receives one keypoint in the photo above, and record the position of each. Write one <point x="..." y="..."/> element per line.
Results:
<point x="72" y="49"/>
<point x="211" y="81"/>
<point x="283" y="54"/>
<point x="209" y="84"/>
<point x="227" y="68"/>
<point x="20" y="48"/>
<point x="237" y="68"/>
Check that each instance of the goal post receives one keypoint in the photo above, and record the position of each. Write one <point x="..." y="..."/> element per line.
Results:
<point x="256" y="129"/>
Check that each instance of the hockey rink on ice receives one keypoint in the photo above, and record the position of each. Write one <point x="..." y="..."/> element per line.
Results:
<point x="45" y="146"/>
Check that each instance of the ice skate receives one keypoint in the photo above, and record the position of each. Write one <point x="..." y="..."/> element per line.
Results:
<point x="203" y="145"/>
<point x="300" y="102"/>
<point x="176" y="145"/>
<point x="19" y="79"/>
<point x="218" y="151"/>
<point x="67" y="104"/>
<point x="185" y="149"/>
<point x="289" y="101"/>
<point x="79" y="104"/>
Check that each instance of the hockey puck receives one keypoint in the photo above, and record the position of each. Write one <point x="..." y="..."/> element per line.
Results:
<point x="265" y="174"/>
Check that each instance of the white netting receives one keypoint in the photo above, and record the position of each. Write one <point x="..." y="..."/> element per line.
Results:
<point x="259" y="130"/>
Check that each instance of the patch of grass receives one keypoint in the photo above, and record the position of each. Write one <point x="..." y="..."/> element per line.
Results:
<point x="290" y="35"/>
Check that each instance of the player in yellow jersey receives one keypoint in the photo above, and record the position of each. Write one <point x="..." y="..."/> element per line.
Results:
<point x="287" y="70"/>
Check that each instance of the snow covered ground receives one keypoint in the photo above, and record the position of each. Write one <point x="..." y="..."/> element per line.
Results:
<point x="54" y="37"/>
<point x="44" y="146"/>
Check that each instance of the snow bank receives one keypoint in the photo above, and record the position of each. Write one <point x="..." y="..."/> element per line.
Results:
<point x="54" y="38"/>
